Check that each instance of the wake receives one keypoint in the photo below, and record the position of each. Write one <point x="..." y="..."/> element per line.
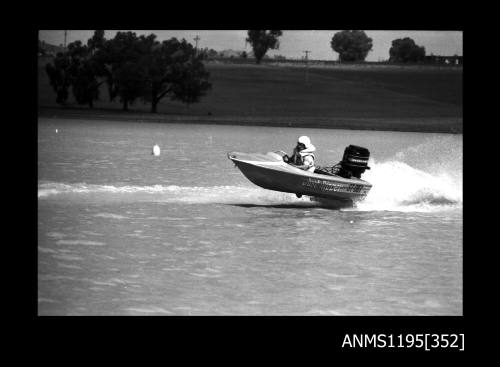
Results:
<point x="396" y="187"/>
<point x="422" y="178"/>
<point x="171" y="194"/>
<point x="400" y="187"/>
<point x="426" y="177"/>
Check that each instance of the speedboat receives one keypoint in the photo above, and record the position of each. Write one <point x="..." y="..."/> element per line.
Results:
<point x="340" y="184"/>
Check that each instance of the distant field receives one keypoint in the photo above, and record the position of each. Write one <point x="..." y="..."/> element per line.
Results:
<point x="410" y="99"/>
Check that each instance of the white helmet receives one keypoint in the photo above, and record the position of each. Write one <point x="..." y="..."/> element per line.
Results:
<point x="305" y="140"/>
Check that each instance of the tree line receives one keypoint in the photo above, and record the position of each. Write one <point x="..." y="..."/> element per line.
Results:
<point x="141" y="67"/>
<point x="351" y="45"/>
<point x="133" y="67"/>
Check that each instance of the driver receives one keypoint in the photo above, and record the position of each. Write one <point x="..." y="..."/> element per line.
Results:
<point x="302" y="156"/>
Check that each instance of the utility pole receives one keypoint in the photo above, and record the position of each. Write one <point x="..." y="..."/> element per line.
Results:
<point x="307" y="67"/>
<point x="65" y="34"/>
<point x="196" y="39"/>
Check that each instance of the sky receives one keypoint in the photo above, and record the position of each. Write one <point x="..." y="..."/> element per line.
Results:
<point x="292" y="43"/>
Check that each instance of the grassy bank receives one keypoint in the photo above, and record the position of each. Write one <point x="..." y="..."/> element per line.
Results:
<point x="400" y="99"/>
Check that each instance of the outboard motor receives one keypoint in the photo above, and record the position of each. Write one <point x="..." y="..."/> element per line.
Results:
<point x="354" y="162"/>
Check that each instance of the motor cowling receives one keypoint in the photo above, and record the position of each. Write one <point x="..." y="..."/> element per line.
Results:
<point x="354" y="162"/>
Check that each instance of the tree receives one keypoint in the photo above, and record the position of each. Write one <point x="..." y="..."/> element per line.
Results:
<point x="351" y="45"/>
<point x="97" y="41"/>
<point x="85" y="84"/>
<point x="262" y="40"/>
<point x="208" y="54"/>
<point x="76" y="68"/>
<point x="130" y="83"/>
<point x="106" y="61"/>
<point x="121" y="58"/>
<point x="174" y="68"/>
<point x="190" y="81"/>
<point x="406" y="50"/>
<point x="133" y="67"/>
<point x="159" y="67"/>
<point x="84" y="71"/>
<point x="59" y="76"/>
<point x="212" y="54"/>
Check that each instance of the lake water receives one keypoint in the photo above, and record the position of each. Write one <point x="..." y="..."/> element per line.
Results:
<point x="122" y="232"/>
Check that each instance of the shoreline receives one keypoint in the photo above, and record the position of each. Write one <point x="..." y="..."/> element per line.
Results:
<point x="446" y="125"/>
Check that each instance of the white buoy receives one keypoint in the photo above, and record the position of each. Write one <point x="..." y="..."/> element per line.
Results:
<point x="56" y="131"/>
<point x="156" y="150"/>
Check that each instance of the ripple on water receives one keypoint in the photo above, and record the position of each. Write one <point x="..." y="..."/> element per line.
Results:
<point x="43" y="277"/>
<point x="340" y="275"/>
<point x="110" y="216"/>
<point x="324" y="313"/>
<point x="173" y="269"/>
<point x="183" y="225"/>
<point x="68" y="257"/>
<point x="46" y="250"/>
<point x="209" y="254"/>
<point x="69" y="266"/>
<point x="56" y="235"/>
<point x="97" y="289"/>
<point x="148" y="310"/>
<point x="335" y="288"/>
<point x="117" y="280"/>
<point x="96" y="282"/>
<point x="206" y="275"/>
<point x="90" y="233"/>
<point x="80" y="242"/>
